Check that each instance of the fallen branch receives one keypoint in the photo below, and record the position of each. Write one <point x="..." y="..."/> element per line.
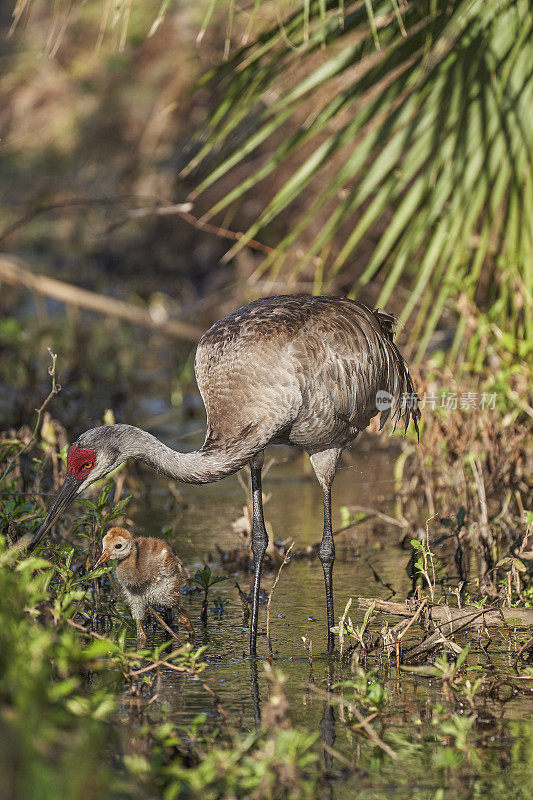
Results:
<point x="492" y="617"/>
<point x="449" y="621"/>
<point x="411" y="622"/>
<point x="440" y="637"/>
<point x="13" y="273"/>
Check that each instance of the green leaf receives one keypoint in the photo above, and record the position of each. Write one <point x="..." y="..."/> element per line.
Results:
<point x="34" y="562"/>
<point x="503" y="562"/>
<point x="218" y="579"/>
<point x="118" y="508"/>
<point x="104" y="495"/>
<point x="82" y="501"/>
<point x="95" y="573"/>
<point x="461" y="657"/>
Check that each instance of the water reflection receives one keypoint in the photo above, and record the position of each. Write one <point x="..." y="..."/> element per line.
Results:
<point x="327" y="724"/>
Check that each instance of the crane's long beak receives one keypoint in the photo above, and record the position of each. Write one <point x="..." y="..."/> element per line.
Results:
<point x="64" y="498"/>
<point x="104" y="558"/>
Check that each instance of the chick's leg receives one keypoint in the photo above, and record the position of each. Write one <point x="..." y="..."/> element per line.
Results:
<point x="185" y="621"/>
<point x="141" y="635"/>
<point x="138" y="610"/>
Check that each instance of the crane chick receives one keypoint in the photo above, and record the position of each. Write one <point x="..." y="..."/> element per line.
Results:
<point x="149" y="572"/>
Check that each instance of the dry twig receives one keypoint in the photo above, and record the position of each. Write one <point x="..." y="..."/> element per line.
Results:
<point x="52" y="393"/>
<point x="341" y="626"/>
<point x="163" y="624"/>
<point x="269" y="601"/>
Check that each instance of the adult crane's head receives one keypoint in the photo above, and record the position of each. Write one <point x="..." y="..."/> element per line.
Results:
<point x="96" y="453"/>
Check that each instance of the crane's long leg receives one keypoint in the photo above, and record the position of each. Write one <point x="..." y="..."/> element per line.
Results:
<point x="327" y="723"/>
<point x="326" y="554"/>
<point x="259" y="543"/>
<point x="256" y="699"/>
<point x="325" y="464"/>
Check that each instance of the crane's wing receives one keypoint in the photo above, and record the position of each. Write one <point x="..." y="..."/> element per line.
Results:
<point x="356" y="368"/>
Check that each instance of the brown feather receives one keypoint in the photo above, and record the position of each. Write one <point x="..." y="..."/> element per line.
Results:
<point x="301" y="370"/>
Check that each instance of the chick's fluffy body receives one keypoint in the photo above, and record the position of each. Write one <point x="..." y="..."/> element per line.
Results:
<point x="150" y="573"/>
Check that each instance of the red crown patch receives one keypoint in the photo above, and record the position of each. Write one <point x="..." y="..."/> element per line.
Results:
<point x="80" y="461"/>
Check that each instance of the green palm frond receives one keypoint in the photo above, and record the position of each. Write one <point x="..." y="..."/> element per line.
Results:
<point x="425" y="143"/>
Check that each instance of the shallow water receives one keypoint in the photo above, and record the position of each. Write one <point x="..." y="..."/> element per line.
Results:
<point x="369" y="562"/>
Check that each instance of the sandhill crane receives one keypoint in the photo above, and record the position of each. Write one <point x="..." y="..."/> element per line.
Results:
<point x="149" y="571"/>
<point x="306" y="371"/>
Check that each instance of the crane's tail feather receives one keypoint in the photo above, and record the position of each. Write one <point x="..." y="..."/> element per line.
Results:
<point x="405" y="401"/>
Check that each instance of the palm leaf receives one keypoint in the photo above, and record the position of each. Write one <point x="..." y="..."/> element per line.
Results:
<point x="425" y="145"/>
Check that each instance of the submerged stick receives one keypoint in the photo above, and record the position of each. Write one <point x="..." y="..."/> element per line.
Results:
<point x="374" y="512"/>
<point x="527" y="646"/>
<point x="362" y="725"/>
<point x="372" y="735"/>
<point x="163" y="624"/>
<point x="246" y="610"/>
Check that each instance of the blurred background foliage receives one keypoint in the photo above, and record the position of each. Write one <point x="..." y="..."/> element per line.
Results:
<point x="376" y="148"/>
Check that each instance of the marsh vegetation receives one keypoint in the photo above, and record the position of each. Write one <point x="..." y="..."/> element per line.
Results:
<point x="408" y="689"/>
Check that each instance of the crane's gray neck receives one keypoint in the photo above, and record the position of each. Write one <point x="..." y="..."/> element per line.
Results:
<point x="200" y="466"/>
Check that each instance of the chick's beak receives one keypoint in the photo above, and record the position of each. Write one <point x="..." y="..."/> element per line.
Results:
<point x="64" y="498"/>
<point x="104" y="558"/>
